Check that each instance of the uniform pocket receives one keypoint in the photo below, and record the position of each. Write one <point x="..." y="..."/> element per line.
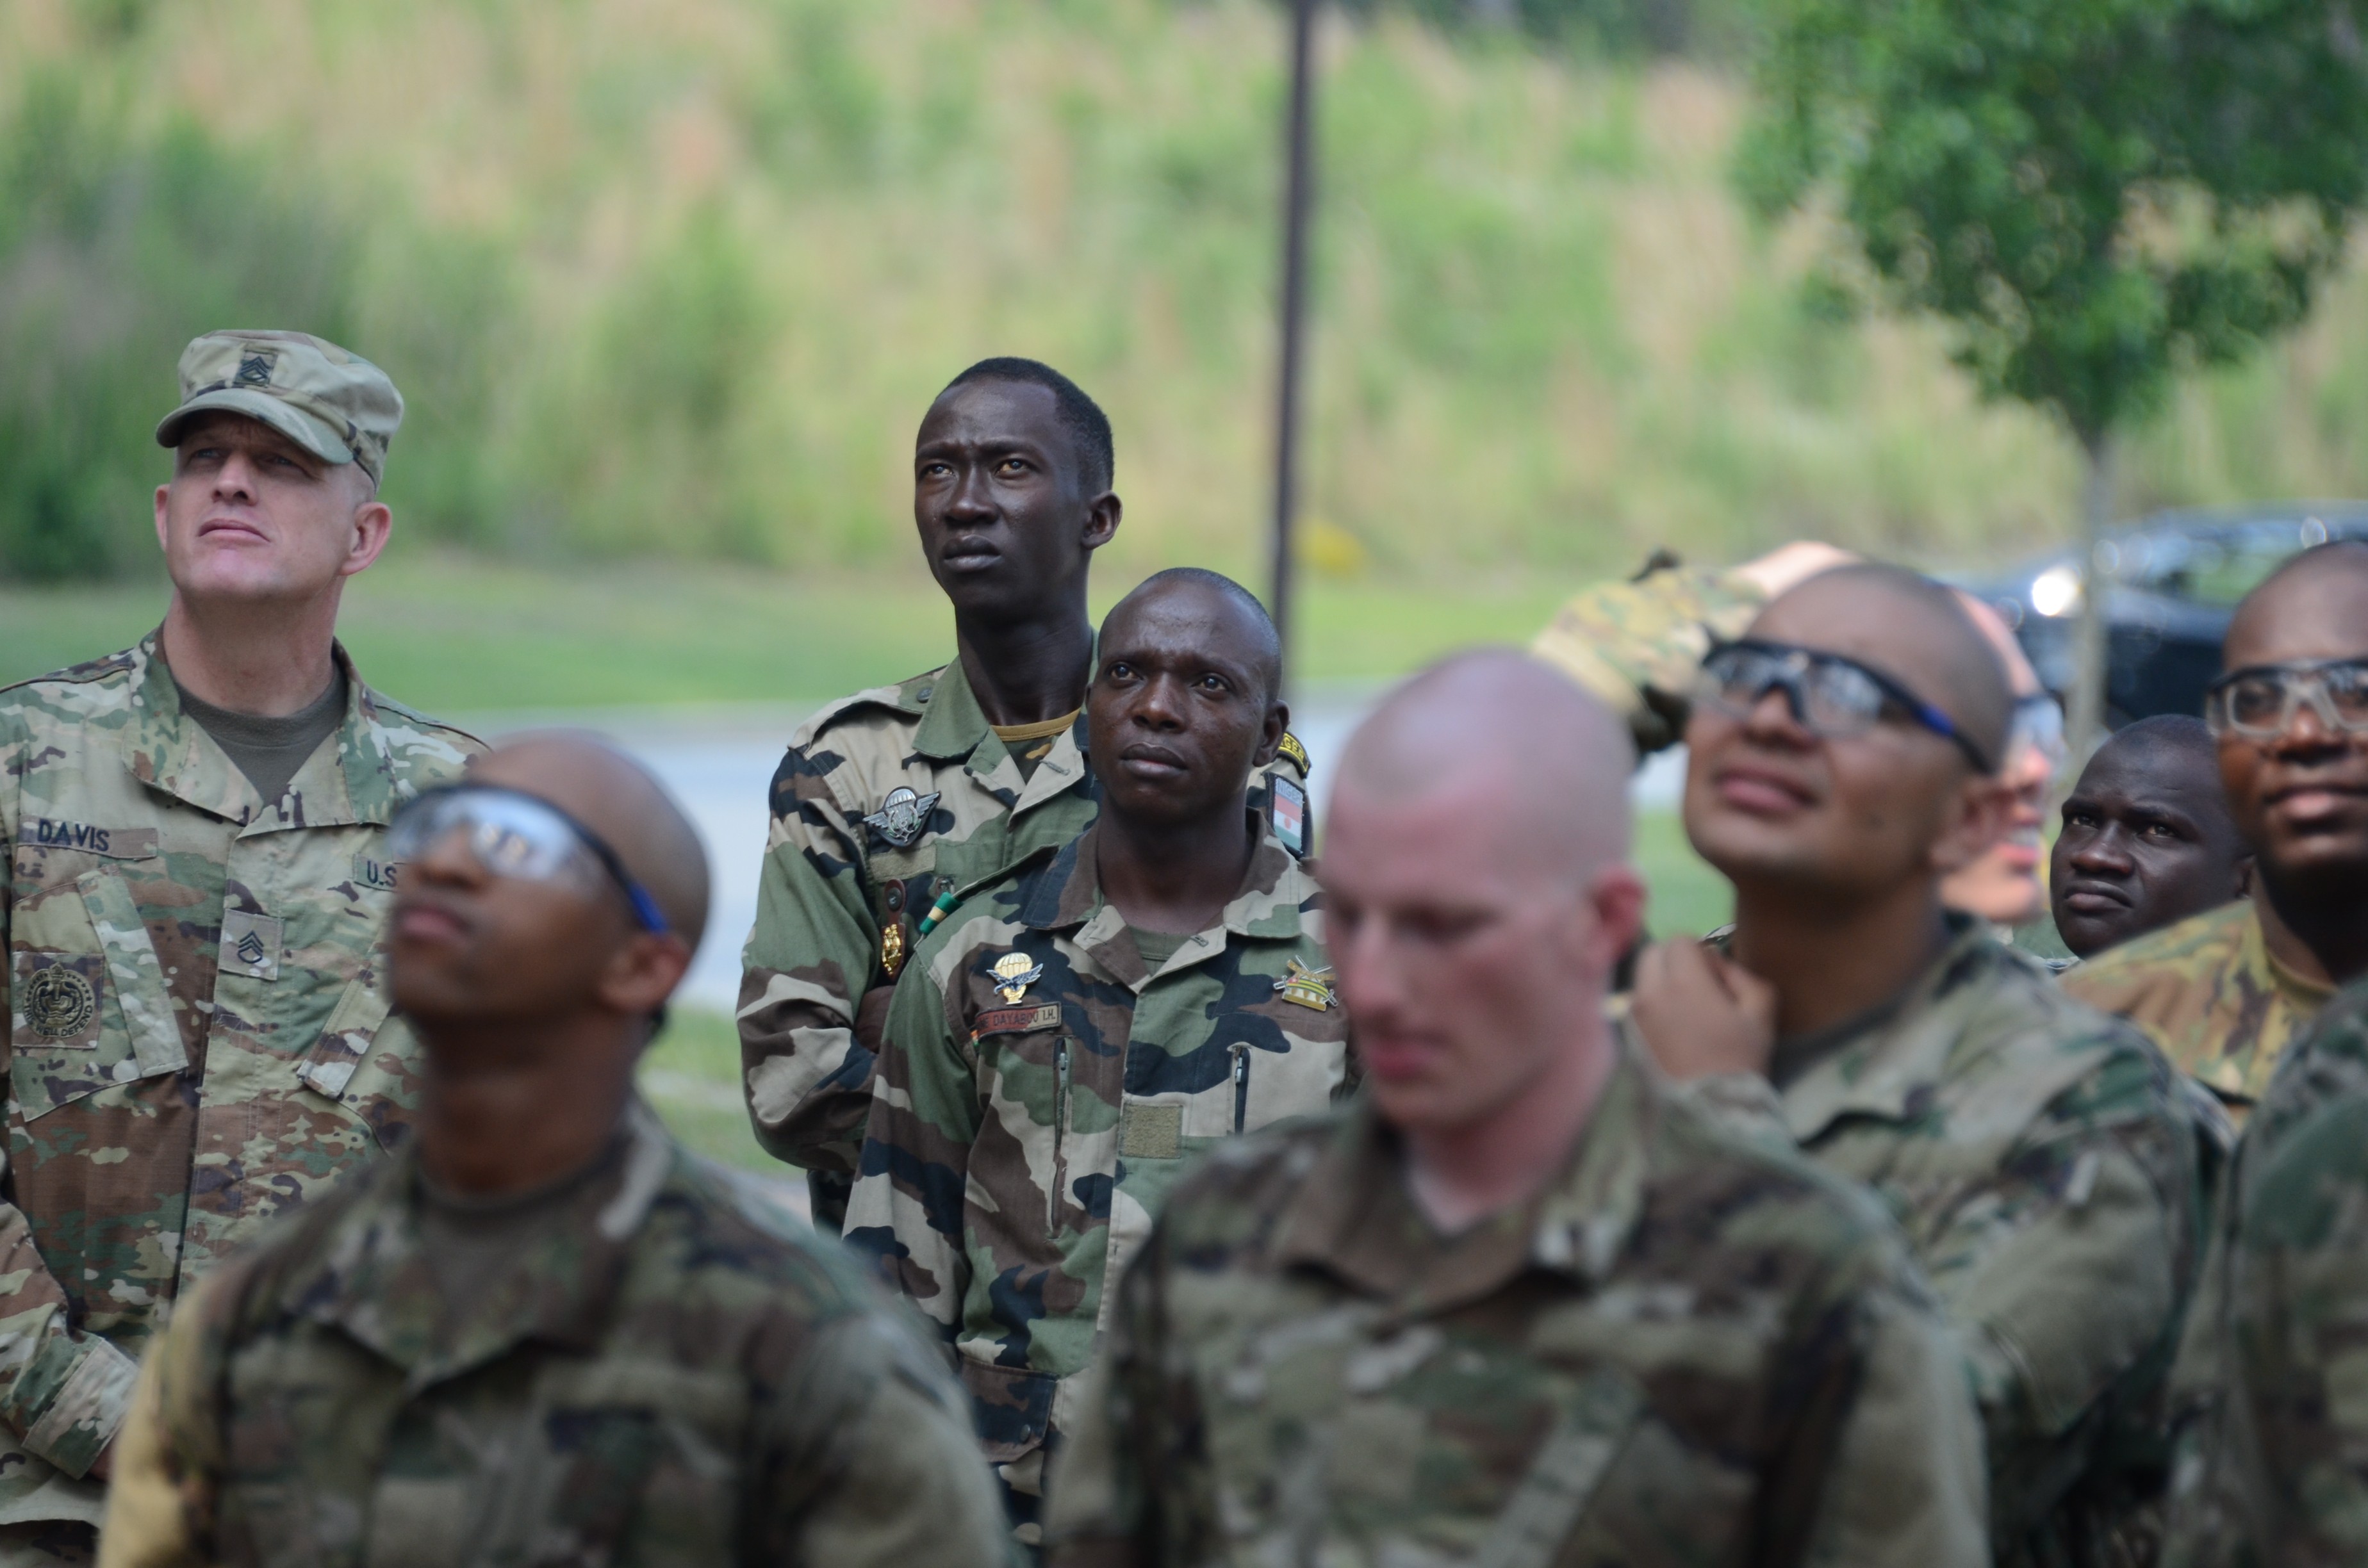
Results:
<point x="89" y="1004"/>
<point x="365" y="1061"/>
<point x="1012" y="1407"/>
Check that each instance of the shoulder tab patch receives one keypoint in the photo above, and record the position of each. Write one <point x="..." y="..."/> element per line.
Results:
<point x="1018" y="1020"/>
<point x="1297" y="753"/>
<point x="1287" y="806"/>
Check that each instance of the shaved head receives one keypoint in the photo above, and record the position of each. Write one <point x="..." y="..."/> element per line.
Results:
<point x="1911" y="628"/>
<point x="1237" y="614"/>
<point x="586" y="775"/>
<point x="1542" y="758"/>
<point x="2315" y="605"/>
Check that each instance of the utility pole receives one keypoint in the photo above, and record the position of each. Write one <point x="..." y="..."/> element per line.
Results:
<point x="1296" y="197"/>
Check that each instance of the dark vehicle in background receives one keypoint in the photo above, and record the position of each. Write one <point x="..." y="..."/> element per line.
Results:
<point x="2173" y="582"/>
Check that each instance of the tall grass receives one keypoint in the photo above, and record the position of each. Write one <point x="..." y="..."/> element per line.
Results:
<point x="678" y="277"/>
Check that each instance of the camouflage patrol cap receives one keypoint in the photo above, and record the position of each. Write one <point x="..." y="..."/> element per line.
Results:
<point x="337" y="406"/>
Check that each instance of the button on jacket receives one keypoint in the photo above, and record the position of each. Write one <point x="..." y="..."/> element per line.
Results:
<point x="198" y="1034"/>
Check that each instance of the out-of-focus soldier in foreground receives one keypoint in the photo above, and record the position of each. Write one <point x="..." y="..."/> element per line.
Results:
<point x="196" y="879"/>
<point x="2041" y="1157"/>
<point x="2148" y="840"/>
<point x="2225" y="992"/>
<point x="1520" y="1306"/>
<point x="1076" y="1032"/>
<point x="543" y="1333"/>
<point x="893" y="804"/>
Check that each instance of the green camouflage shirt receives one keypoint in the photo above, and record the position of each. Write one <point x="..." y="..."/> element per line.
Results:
<point x="887" y="802"/>
<point x="2046" y="1165"/>
<point x="670" y="1372"/>
<point x="198" y="1036"/>
<point x="1687" y="1351"/>
<point x="2211" y="996"/>
<point x="1040" y="1090"/>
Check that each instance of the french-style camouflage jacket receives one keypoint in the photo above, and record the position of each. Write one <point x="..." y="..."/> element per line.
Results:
<point x="198" y="1034"/>
<point x="1689" y="1350"/>
<point x="887" y="802"/>
<point x="1040" y="1090"/>
<point x="2047" y="1168"/>
<point x="2210" y="995"/>
<point x="668" y="1374"/>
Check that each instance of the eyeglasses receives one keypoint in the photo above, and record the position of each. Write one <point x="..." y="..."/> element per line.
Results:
<point x="512" y="833"/>
<point x="2260" y="700"/>
<point x="2039" y="724"/>
<point x="1828" y="694"/>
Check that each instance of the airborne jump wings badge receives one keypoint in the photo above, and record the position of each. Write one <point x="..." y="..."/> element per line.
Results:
<point x="1308" y="987"/>
<point x="902" y="816"/>
<point x="1014" y="974"/>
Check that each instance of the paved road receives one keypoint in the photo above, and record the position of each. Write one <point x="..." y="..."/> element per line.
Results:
<point x="719" y="763"/>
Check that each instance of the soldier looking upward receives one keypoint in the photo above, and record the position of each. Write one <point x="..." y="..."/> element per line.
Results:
<point x="1081" y="1028"/>
<point x="197" y="876"/>
<point x="2147" y="839"/>
<point x="2225" y="992"/>
<point x="892" y="804"/>
<point x="544" y="1332"/>
<point x="2041" y="1156"/>
<point x="1519" y="1305"/>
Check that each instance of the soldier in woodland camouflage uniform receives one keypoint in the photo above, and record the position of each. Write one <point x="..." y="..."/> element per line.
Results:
<point x="1521" y="1306"/>
<point x="1078" y="1032"/>
<point x="199" y="1033"/>
<point x="2042" y="1159"/>
<point x="2227" y="992"/>
<point x="544" y="1332"/>
<point x="892" y="802"/>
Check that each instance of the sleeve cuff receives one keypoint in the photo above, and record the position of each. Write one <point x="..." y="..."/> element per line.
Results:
<point x="84" y="1415"/>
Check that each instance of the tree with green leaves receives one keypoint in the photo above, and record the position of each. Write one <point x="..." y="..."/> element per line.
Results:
<point x="2092" y="195"/>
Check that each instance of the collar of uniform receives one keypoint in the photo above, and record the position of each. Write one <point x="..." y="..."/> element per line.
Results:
<point x="2304" y="995"/>
<point x="954" y="728"/>
<point x="1352" y="1216"/>
<point x="1276" y="896"/>
<point x="169" y="751"/>
<point x="371" y="1279"/>
<point x="1889" y="1063"/>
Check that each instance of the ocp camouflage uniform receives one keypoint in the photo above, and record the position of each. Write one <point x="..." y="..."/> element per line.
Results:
<point x="665" y="1374"/>
<point x="198" y="1021"/>
<point x="2210" y="995"/>
<point x="1024" y="1133"/>
<point x="2047" y="1171"/>
<point x="886" y="803"/>
<point x="2272" y="1450"/>
<point x="1687" y="1350"/>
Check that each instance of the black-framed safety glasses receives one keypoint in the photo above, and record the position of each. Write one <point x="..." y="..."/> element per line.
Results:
<point x="2259" y="701"/>
<point x="1829" y="695"/>
<point x="513" y="834"/>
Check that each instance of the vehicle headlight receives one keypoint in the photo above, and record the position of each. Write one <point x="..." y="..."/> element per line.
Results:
<point x="2055" y="591"/>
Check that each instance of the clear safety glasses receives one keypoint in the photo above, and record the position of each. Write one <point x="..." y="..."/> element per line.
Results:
<point x="1829" y="695"/>
<point x="515" y="834"/>
<point x="2260" y="700"/>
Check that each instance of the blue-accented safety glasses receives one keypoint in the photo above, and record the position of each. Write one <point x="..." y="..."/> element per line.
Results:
<point x="512" y="833"/>
<point x="2260" y="700"/>
<point x="1829" y="694"/>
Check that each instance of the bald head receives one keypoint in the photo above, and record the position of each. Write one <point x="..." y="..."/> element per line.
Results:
<point x="2313" y="607"/>
<point x="1911" y="628"/>
<point x="622" y="803"/>
<point x="1232" y="616"/>
<point x="1527" y="749"/>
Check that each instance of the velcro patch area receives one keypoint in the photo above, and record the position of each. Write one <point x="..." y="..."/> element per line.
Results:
<point x="1151" y="1133"/>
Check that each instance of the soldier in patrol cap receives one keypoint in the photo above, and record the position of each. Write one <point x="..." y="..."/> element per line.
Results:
<point x="1519" y="1305"/>
<point x="1080" y="1029"/>
<point x="544" y="1332"/>
<point x="892" y="802"/>
<point x="197" y="874"/>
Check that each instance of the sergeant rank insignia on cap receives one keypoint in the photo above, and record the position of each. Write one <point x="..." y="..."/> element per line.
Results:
<point x="902" y="816"/>
<point x="1014" y="974"/>
<point x="1308" y="987"/>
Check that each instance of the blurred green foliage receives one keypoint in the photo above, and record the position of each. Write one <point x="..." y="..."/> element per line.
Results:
<point x="678" y="281"/>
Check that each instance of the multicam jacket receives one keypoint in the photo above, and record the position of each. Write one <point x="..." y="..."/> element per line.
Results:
<point x="2211" y="996"/>
<point x="1040" y="1090"/>
<point x="1689" y="1349"/>
<point x="668" y="1375"/>
<point x="2047" y="1171"/>
<point x="1637" y="645"/>
<point x="198" y="1036"/>
<point x="887" y="802"/>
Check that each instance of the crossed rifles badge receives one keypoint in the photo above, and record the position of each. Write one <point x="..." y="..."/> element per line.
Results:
<point x="1308" y="987"/>
<point x="902" y="816"/>
<point x="1014" y="974"/>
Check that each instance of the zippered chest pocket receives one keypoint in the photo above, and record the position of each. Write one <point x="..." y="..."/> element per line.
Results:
<point x="89" y="1004"/>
